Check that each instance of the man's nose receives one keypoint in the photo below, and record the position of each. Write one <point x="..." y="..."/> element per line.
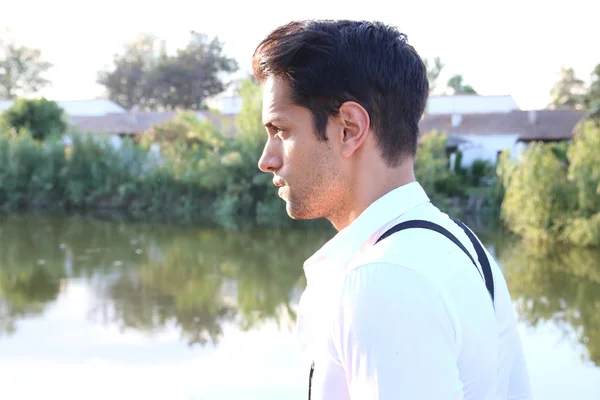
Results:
<point x="270" y="160"/>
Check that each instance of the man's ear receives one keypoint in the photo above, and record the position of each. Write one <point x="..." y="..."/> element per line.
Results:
<point x="356" y="125"/>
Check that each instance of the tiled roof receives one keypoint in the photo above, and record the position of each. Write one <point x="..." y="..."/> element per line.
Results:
<point x="529" y="125"/>
<point x="135" y="122"/>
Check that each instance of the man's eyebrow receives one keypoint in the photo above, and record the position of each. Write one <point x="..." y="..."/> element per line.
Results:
<point x="274" y="120"/>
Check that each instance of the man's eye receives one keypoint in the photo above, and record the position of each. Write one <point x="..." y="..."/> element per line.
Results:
<point x="276" y="131"/>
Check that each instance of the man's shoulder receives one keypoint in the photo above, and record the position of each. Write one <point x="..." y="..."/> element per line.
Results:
<point x="424" y="251"/>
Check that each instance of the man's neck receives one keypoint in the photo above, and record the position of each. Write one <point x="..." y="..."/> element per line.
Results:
<point x="368" y="189"/>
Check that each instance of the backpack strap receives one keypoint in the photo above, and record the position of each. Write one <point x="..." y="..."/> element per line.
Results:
<point x="481" y="256"/>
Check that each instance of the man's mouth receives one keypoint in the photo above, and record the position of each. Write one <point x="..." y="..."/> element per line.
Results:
<point x="278" y="182"/>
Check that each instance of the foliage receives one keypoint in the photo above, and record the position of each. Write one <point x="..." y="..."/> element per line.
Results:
<point x="458" y="168"/>
<point x="535" y="194"/>
<point x="183" y="169"/>
<point x="22" y="70"/>
<point x="129" y="82"/>
<point x="560" y="150"/>
<point x="93" y="174"/>
<point x="146" y="76"/>
<point x="196" y="174"/>
<point x="584" y="169"/>
<point x="548" y="199"/>
<point x="433" y="72"/>
<point x="40" y="117"/>
<point x="556" y="283"/>
<point x="185" y="134"/>
<point x="571" y="92"/>
<point x="568" y="91"/>
<point x="479" y="170"/>
<point x="431" y="161"/>
<point x="592" y="100"/>
<point x="451" y="185"/>
<point x="154" y="276"/>
<point x="455" y="83"/>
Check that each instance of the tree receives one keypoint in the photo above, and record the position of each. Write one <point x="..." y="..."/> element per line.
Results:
<point x="432" y="161"/>
<point x="42" y="118"/>
<point x="128" y="83"/>
<point x="189" y="78"/>
<point x="455" y="83"/>
<point x="592" y="100"/>
<point x="22" y="70"/>
<point x="433" y="72"/>
<point x="146" y="76"/>
<point x="568" y="91"/>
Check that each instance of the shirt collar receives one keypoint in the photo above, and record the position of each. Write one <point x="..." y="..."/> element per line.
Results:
<point x="340" y="250"/>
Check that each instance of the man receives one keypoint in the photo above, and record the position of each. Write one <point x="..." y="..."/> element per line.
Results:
<point x="422" y="313"/>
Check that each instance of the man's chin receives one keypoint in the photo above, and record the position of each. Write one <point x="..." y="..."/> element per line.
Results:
<point x="297" y="213"/>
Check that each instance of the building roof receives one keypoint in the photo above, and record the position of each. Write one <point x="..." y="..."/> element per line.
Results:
<point x="92" y="107"/>
<point x="529" y="125"/>
<point x="133" y="123"/>
<point x="129" y="124"/>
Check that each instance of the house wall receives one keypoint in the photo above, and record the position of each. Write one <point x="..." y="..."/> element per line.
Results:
<point x="486" y="147"/>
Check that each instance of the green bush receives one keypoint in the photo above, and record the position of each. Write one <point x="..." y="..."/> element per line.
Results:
<point x="458" y="168"/>
<point x="479" y="170"/>
<point x="197" y="175"/>
<point x="551" y="199"/>
<point x="450" y="185"/>
<point x="432" y="160"/>
<point x="42" y="118"/>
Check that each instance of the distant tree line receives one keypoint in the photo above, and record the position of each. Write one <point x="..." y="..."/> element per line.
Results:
<point x="22" y="70"/>
<point x="571" y="92"/>
<point x="146" y="76"/>
<point x="454" y="86"/>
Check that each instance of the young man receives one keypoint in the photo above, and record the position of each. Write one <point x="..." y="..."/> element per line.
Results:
<point x="422" y="313"/>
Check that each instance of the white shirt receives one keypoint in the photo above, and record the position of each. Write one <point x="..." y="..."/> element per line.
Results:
<point x="410" y="317"/>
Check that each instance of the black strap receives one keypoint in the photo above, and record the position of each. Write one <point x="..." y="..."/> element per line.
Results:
<point x="483" y="260"/>
<point x="481" y="257"/>
<point x="310" y="377"/>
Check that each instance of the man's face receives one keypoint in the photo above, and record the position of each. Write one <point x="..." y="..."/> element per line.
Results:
<point x="305" y="169"/>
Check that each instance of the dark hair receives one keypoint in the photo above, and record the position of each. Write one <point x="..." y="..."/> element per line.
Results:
<point x="327" y="63"/>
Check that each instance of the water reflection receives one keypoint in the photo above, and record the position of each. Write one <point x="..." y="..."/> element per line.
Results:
<point x="117" y="300"/>
<point x="558" y="284"/>
<point x="147" y="277"/>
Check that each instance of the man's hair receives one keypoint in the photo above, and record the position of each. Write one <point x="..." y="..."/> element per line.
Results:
<point x="327" y="63"/>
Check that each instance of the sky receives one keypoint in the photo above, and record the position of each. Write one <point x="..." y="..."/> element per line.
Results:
<point x="514" y="47"/>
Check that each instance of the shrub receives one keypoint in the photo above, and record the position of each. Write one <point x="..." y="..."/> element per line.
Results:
<point x="450" y="185"/>
<point x="432" y="161"/>
<point x="479" y="169"/>
<point x="549" y="199"/>
<point x="42" y="118"/>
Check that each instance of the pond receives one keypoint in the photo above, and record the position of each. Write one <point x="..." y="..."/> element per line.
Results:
<point x="117" y="310"/>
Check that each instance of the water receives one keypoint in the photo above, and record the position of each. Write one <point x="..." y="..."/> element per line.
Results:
<point x="114" y="310"/>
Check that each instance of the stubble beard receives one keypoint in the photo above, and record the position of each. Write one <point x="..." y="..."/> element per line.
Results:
<point x="317" y="193"/>
<point x="318" y="200"/>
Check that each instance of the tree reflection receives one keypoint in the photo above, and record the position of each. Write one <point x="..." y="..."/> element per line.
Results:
<point x="559" y="284"/>
<point x="29" y="275"/>
<point x="149" y="277"/>
<point x="207" y="278"/>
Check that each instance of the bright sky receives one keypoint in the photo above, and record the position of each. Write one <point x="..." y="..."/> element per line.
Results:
<point x="511" y="47"/>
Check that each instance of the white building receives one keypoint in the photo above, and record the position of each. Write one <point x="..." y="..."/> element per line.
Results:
<point x="482" y="127"/>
